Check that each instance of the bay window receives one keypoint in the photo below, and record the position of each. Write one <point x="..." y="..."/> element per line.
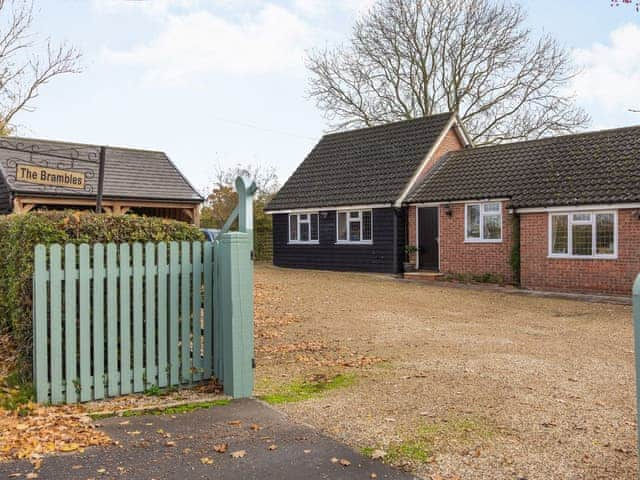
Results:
<point x="354" y="226"/>
<point x="303" y="228"/>
<point x="583" y="234"/>
<point x="483" y="222"/>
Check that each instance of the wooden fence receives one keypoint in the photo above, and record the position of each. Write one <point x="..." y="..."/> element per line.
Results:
<point x="116" y="319"/>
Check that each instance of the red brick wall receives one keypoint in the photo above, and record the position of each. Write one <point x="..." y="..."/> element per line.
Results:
<point x="458" y="257"/>
<point x="450" y="142"/>
<point x="538" y="271"/>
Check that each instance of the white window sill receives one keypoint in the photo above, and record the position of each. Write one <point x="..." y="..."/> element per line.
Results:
<point x="483" y="241"/>
<point x="347" y="242"/>
<point x="583" y="257"/>
<point x="298" y="242"/>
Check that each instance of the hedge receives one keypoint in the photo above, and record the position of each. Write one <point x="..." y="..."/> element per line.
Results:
<point x="20" y="233"/>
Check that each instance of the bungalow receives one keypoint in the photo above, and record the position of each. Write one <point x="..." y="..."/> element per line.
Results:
<point x="45" y="174"/>
<point x="559" y="213"/>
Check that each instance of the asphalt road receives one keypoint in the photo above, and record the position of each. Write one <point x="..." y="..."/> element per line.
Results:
<point x="182" y="447"/>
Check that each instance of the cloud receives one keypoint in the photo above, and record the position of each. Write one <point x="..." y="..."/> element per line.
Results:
<point x="608" y="86"/>
<point x="199" y="43"/>
<point x="152" y="7"/>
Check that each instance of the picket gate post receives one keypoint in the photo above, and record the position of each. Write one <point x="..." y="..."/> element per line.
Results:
<point x="235" y="298"/>
<point x="636" y="334"/>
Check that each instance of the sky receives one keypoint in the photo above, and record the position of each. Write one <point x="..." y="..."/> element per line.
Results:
<point x="215" y="83"/>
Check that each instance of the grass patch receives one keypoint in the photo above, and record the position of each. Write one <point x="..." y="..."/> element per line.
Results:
<point x="299" y="391"/>
<point x="185" y="408"/>
<point x="435" y="437"/>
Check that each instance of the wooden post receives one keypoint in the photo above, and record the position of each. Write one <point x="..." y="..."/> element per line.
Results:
<point x="234" y="284"/>
<point x="636" y="333"/>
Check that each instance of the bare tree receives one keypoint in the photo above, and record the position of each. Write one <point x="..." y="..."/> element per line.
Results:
<point x="265" y="177"/>
<point x="412" y="58"/>
<point x="26" y="61"/>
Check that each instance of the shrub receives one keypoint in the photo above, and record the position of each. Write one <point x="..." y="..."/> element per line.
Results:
<point x="19" y="234"/>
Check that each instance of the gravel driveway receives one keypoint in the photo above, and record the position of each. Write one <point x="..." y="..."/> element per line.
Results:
<point x="453" y="383"/>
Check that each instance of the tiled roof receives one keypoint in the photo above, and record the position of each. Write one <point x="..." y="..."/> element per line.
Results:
<point x="128" y="173"/>
<point x="358" y="167"/>
<point x="587" y="168"/>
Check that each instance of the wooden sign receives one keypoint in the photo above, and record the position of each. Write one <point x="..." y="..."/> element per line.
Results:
<point x="49" y="176"/>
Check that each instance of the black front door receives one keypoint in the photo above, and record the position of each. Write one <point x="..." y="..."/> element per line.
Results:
<point x="428" y="238"/>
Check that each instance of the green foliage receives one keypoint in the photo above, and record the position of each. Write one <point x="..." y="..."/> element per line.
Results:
<point x="16" y="393"/>
<point x="19" y="234"/>
<point x="299" y="391"/>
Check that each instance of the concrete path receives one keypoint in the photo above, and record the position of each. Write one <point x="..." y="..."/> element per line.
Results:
<point x="146" y="451"/>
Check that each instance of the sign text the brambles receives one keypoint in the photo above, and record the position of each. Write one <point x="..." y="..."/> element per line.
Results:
<point x="49" y="176"/>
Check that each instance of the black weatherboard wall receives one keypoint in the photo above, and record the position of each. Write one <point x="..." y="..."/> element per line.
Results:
<point x="327" y="255"/>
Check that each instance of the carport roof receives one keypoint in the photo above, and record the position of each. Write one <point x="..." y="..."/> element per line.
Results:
<point x="128" y="173"/>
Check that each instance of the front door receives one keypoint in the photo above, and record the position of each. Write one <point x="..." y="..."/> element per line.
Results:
<point x="428" y="238"/>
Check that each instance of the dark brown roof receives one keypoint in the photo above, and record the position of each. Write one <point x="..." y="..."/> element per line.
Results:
<point x="129" y="173"/>
<point x="364" y="166"/>
<point x="587" y="168"/>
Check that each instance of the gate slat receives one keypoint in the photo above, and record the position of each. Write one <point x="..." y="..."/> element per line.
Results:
<point x="56" y="323"/>
<point x="185" y="313"/>
<point x="40" y="336"/>
<point x="208" y="308"/>
<point x="125" y="319"/>
<point x="113" y="374"/>
<point x="70" y="324"/>
<point x="196" y="261"/>
<point x="98" y="321"/>
<point x="174" y="290"/>
<point x="162" y="314"/>
<point x="85" y="325"/>
<point x="150" y="315"/>
<point x="138" y="339"/>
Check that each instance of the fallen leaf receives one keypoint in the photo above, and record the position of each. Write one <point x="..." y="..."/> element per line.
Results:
<point x="273" y="447"/>
<point x="255" y="427"/>
<point x="221" y="447"/>
<point x="238" y="454"/>
<point x="373" y="475"/>
<point x="344" y="462"/>
<point x="377" y="454"/>
<point x="135" y="432"/>
<point x="334" y="460"/>
<point x="101" y="470"/>
<point x="126" y="422"/>
<point x="307" y="451"/>
<point x="235" y="423"/>
<point x="31" y="475"/>
<point x="170" y="444"/>
<point x="206" y="461"/>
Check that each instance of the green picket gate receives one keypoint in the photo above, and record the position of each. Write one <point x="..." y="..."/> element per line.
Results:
<point x="113" y="319"/>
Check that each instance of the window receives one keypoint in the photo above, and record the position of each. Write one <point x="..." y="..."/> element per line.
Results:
<point x="483" y="222"/>
<point x="303" y="228"/>
<point x="355" y="226"/>
<point x="583" y="234"/>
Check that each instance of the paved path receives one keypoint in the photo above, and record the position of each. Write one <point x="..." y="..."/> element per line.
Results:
<point x="147" y="456"/>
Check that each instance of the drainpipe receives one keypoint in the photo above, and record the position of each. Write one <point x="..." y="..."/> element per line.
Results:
<point x="396" y="264"/>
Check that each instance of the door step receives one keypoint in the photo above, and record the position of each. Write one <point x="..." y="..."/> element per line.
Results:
<point x="423" y="276"/>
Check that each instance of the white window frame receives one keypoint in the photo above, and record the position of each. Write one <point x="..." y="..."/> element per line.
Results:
<point x="481" y="239"/>
<point x="298" y="223"/>
<point x="594" y="255"/>
<point x="349" y="220"/>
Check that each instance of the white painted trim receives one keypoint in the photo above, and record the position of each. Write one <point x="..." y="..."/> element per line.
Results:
<point x="329" y="209"/>
<point x="414" y="178"/>
<point x="592" y="222"/>
<point x="578" y="208"/>
<point x="482" y="240"/>
<point x="298" y="223"/>
<point x="351" y="242"/>
<point x="454" y="202"/>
